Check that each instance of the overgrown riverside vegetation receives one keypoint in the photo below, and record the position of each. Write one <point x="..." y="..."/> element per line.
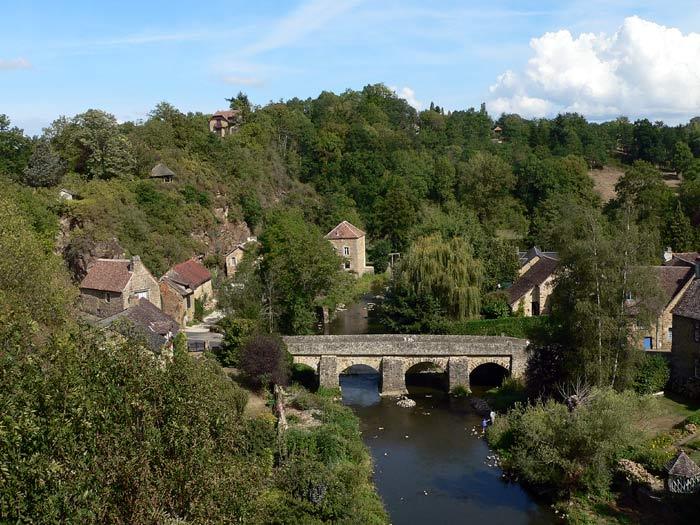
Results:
<point x="97" y="430"/>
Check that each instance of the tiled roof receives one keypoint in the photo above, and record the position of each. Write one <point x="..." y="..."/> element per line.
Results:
<point x="226" y="113"/>
<point x="345" y="230"/>
<point x="535" y="276"/>
<point x="152" y="322"/>
<point x="689" y="305"/>
<point x="683" y="466"/>
<point x="191" y="273"/>
<point x="161" y="170"/>
<point x="525" y="257"/>
<point x="109" y="275"/>
<point x="672" y="279"/>
<point x="182" y="289"/>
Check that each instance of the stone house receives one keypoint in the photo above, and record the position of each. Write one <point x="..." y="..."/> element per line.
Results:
<point x="181" y="286"/>
<point x="113" y="285"/>
<point x="224" y="122"/>
<point x="144" y="318"/>
<point x="673" y="281"/>
<point x="161" y="172"/>
<point x="685" y="348"/>
<point x="532" y="289"/>
<point x="235" y="256"/>
<point x="349" y="242"/>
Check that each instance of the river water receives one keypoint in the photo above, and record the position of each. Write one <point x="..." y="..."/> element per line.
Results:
<point x="431" y="462"/>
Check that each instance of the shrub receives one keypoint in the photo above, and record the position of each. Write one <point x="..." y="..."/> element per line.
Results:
<point x="655" y="453"/>
<point x="652" y="374"/>
<point x="693" y="419"/>
<point x="236" y="333"/>
<point x="305" y="376"/>
<point x="265" y="360"/>
<point x="547" y="445"/>
<point x="198" y="309"/>
<point x="494" y="305"/>
<point x="460" y="391"/>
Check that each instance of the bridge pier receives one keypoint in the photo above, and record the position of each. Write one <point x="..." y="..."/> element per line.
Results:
<point x="458" y="372"/>
<point x="328" y="372"/>
<point x="393" y="377"/>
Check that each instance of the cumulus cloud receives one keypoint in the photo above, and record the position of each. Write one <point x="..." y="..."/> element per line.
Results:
<point x="643" y="69"/>
<point x="409" y="96"/>
<point x="14" y="63"/>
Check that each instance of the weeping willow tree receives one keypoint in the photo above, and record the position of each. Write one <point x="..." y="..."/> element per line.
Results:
<point x="436" y="280"/>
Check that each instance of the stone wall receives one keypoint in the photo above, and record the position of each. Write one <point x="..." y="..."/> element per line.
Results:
<point x="102" y="304"/>
<point x="142" y="281"/>
<point x="685" y="350"/>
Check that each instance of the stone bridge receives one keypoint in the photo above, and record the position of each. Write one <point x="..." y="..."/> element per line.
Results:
<point x="393" y="355"/>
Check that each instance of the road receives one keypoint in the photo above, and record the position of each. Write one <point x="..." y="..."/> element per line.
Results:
<point x="202" y="331"/>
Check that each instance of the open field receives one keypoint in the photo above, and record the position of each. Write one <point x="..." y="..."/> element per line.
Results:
<point x="605" y="179"/>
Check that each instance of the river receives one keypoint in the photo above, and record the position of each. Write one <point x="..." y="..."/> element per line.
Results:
<point x="432" y="466"/>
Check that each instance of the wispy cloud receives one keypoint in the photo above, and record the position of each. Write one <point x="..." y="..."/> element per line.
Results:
<point x="301" y="22"/>
<point x="409" y="96"/>
<point x="14" y="63"/>
<point x="243" y="81"/>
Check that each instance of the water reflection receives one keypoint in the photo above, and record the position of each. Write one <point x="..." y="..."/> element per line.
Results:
<point x="429" y="466"/>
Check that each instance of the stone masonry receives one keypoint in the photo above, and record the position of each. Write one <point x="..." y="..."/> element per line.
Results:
<point x="392" y="355"/>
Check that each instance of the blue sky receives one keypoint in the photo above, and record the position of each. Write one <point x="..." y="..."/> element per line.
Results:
<point x="60" y="58"/>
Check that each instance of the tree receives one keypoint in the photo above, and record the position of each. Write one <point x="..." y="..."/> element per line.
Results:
<point x="601" y="277"/>
<point x="678" y="232"/>
<point x="266" y="361"/>
<point x="435" y="279"/>
<point x="484" y="182"/>
<point x="241" y="103"/>
<point x="396" y="213"/>
<point x="15" y="148"/>
<point x="299" y="268"/>
<point x="45" y="167"/>
<point x="682" y="157"/>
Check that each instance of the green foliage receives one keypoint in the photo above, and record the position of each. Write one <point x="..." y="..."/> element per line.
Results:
<point x="15" y="149"/>
<point x="655" y="453"/>
<point x="494" y="305"/>
<point x="693" y="419"/>
<point x="460" y="391"/>
<point x="435" y="278"/>
<point x="522" y="327"/>
<point x="653" y="372"/>
<point x="236" y="333"/>
<point x="549" y="446"/>
<point x="45" y="167"/>
<point x="198" y="309"/>
<point x="299" y="268"/>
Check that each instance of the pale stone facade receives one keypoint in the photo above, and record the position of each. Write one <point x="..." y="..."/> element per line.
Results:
<point x="349" y="243"/>
<point x="181" y="286"/>
<point x="532" y="290"/>
<point x="224" y="122"/>
<point x="685" y="351"/>
<point x="113" y="285"/>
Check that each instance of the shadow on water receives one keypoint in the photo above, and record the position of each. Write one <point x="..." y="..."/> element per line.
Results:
<point x="431" y="462"/>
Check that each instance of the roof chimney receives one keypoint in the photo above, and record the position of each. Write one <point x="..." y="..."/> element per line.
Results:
<point x="134" y="261"/>
<point x="668" y="254"/>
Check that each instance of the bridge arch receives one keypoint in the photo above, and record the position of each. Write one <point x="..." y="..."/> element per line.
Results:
<point x="422" y="373"/>
<point x="488" y="374"/>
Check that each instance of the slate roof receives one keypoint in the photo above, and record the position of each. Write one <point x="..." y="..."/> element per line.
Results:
<point x="150" y="321"/>
<point x="160" y="170"/>
<point x="190" y="273"/>
<point x="671" y="280"/>
<point x="108" y="275"/>
<point x="345" y="230"/>
<point x="536" y="275"/>
<point x="689" y="305"/>
<point x="683" y="259"/>
<point x="683" y="466"/>
<point x="525" y="257"/>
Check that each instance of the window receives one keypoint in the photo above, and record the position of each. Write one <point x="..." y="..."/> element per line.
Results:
<point x="189" y="302"/>
<point x="535" y="308"/>
<point x="347" y="265"/>
<point x="346" y="250"/>
<point x="648" y="343"/>
<point x="628" y="296"/>
<point x="669" y="335"/>
<point x="108" y="297"/>
<point x="143" y="294"/>
<point x="696" y="332"/>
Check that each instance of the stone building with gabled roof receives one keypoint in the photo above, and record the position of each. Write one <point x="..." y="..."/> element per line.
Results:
<point x="161" y="172"/>
<point x="531" y="291"/>
<point x="685" y="348"/>
<point x="181" y="286"/>
<point x="349" y="242"/>
<point x="145" y="319"/>
<point x="112" y="285"/>
<point x="672" y="282"/>
<point x="225" y="121"/>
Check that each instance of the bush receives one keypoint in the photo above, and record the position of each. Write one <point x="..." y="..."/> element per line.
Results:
<point x="236" y="333"/>
<point x="655" y="453"/>
<point x="460" y="391"/>
<point x="305" y="376"/>
<point x="532" y="328"/>
<point x="652" y="374"/>
<point x="549" y="446"/>
<point x="545" y="369"/>
<point x="693" y="419"/>
<point x="198" y="309"/>
<point x="266" y="361"/>
<point x="494" y="305"/>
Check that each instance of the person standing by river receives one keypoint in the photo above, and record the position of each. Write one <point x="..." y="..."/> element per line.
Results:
<point x="484" y="424"/>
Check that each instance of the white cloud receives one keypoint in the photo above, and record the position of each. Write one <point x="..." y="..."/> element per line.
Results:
<point x="643" y="69"/>
<point x="409" y="96"/>
<point x="14" y="63"/>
